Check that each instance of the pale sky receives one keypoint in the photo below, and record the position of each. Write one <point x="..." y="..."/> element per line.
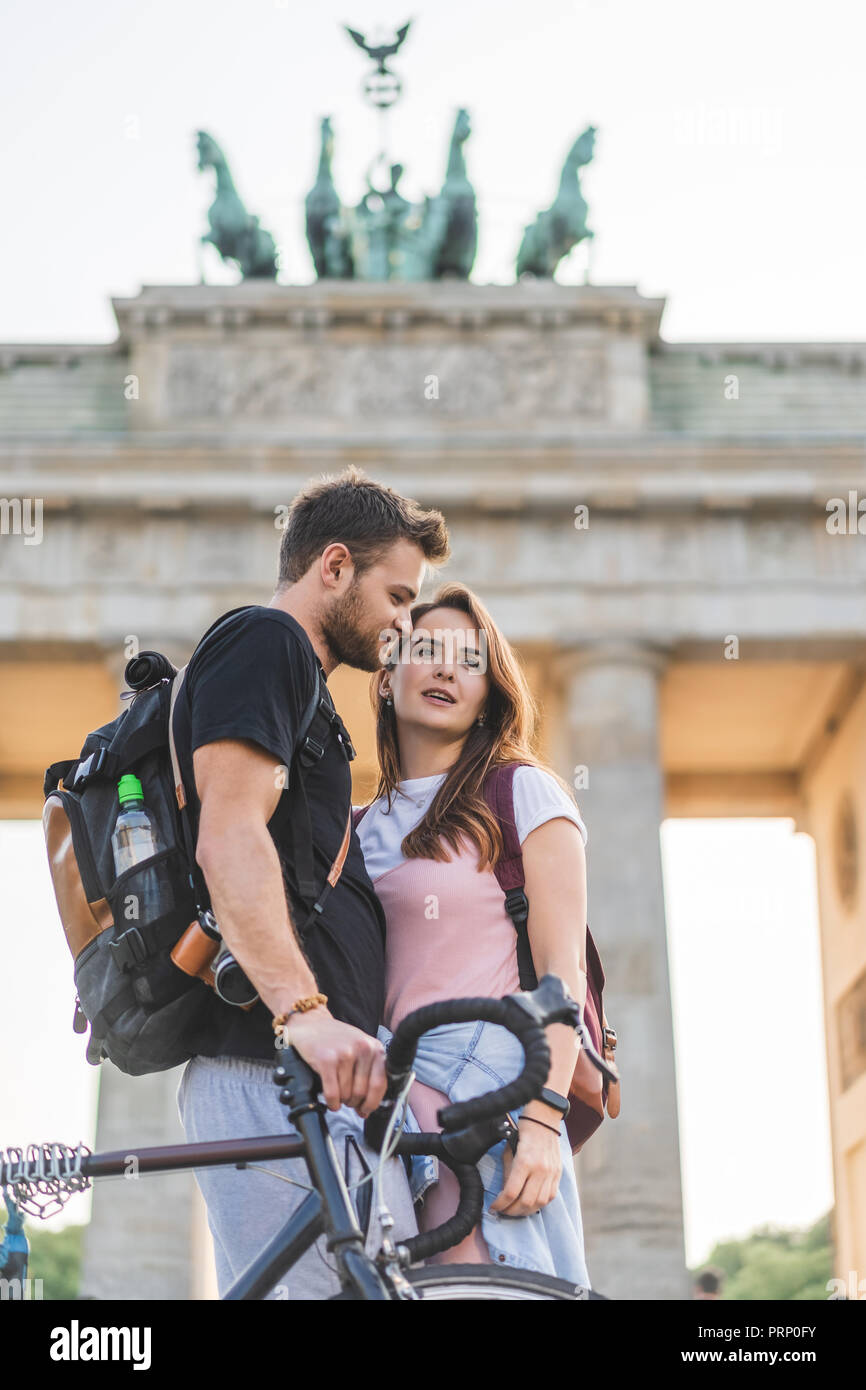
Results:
<point x="728" y="173"/>
<point x="744" y="960"/>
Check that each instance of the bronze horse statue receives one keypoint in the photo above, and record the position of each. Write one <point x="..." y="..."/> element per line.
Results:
<point x="555" y="231"/>
<point x="233" y="231"/>
<point x="385" y="237"/>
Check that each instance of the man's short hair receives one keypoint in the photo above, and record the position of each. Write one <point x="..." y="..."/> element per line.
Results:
<point x="366" y="516"/>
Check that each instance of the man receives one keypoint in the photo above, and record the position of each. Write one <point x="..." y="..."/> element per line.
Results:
<point x="352" y="560"/>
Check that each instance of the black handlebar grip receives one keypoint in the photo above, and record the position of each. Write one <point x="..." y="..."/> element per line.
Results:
<point x="504" y="1012"/>
<point x="404" y="1043"/>
<point x="469" y="1208"/>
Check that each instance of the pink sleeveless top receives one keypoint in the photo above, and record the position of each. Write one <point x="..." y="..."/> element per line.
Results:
<point x="448" y="936"/>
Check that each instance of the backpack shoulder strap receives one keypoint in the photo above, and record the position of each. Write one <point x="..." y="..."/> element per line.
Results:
<point x="358" y="815"/>
<point x="312" y="708"/>
<point x="498" y="791"/>
<point x="320" y="719"/>
<point x="319" y="722"/>
<point x="176" y="686"/>
<point x="308" y="747"/>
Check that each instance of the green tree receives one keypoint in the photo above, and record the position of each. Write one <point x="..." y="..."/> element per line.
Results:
<point x="774" y="1263"/>
<point x="55" y="1258"/>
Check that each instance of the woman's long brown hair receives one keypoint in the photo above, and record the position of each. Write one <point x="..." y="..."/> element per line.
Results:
<point x="506" y="736"/>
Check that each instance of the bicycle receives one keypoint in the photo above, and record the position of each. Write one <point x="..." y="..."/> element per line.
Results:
<point x="469" y="1128"/>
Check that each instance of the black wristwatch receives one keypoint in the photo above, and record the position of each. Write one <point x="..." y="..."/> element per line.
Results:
<point x="555" y="1101"/>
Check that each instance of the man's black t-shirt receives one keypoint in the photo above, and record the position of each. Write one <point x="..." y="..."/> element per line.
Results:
<point x="253" y="679"/>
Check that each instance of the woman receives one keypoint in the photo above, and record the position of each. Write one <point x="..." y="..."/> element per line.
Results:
<point x="452" y="704"/>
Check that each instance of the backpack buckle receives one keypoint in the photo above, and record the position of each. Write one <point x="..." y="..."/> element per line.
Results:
<point x="344" y="737"/>
<point x="517" y="905"/>
<point x="327" y="709"/>
<point x="129" y="949"/>
<point x="314" y="749"/>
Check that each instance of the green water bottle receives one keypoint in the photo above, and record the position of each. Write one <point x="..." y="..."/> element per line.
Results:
<point x="135" y="839"/>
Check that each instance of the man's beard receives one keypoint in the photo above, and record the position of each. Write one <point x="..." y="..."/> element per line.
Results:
<point x="350" y="641"/>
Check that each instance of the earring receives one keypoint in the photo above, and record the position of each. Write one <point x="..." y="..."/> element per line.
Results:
<point x="480" y="719"/>
<point x="388" y="700"/>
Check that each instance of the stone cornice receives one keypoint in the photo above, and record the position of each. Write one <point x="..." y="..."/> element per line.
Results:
<point x="393" y="307"/>
<point x="637" y="474"/>
<point x="461" y="307"/>
<point x="650" y="452"/>
<point x="55" y="354"/>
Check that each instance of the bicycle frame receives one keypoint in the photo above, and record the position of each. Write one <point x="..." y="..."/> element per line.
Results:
<point x="326" y="1210"/>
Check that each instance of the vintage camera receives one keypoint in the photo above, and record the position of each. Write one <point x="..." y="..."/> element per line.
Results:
<point x="230" y="982"/>
<point x="202" y="952"/>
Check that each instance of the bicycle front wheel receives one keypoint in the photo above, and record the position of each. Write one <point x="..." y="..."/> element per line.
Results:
<point x="468" y="1283"/>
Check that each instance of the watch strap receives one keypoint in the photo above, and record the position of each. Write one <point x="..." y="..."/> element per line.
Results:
<point x="555" y="1101"/>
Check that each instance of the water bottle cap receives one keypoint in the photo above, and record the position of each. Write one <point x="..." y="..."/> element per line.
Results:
<point x="129" y="788"/>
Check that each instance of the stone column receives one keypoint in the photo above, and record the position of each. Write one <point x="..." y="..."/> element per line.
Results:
<point x="629" y="1172"/>
<point x="144" y="1240"/>
<point x="143" y="1230"/>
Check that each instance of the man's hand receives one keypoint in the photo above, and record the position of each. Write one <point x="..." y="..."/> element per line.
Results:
<point x="350" y="1063"/>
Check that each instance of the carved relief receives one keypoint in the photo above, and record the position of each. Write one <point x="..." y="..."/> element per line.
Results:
<point x="519" y="379"/>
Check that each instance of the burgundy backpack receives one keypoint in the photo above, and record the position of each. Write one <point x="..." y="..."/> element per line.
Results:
<point x="589" y="1094"/>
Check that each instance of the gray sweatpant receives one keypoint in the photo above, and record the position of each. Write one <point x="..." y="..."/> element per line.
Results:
<point x="236" y="1098"/>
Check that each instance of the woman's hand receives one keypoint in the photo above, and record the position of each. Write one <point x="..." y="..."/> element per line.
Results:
<point x="532" y="1174"/>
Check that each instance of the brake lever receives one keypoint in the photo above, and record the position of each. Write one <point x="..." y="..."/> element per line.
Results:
<point x="600" y="1063"/>
<point x="549" y="1003"/>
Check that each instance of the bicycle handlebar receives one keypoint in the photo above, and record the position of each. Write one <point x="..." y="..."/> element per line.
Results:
<point x="465" y="1136"/>
<point x="469" y="1128"/>
<point x="526" y="1015"/>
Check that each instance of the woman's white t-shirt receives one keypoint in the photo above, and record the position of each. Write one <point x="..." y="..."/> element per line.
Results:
<point x="538" y="797"/>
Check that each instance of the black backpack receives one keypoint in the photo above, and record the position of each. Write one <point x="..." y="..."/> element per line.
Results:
<point x="140" y="1006"/>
